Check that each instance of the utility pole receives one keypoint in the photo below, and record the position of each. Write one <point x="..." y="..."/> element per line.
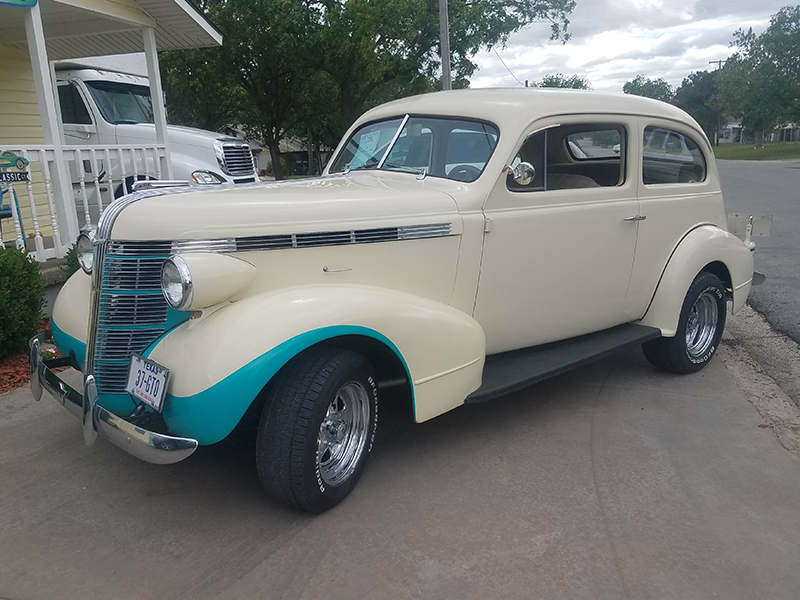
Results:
<point x="719" y="63"/>
<point x="444" y="34"/>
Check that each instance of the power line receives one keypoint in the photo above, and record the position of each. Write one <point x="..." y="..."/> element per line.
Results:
<point x="506" y="66"/>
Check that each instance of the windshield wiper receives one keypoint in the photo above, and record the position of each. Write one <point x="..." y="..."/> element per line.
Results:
<point x="370" y="164"/>
<point x="405" y="168"/>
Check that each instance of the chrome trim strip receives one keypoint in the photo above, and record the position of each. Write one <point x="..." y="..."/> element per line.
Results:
<point x="391" y="144"/>
<point x="100" y="249"/>
<point x="311" y="239"/>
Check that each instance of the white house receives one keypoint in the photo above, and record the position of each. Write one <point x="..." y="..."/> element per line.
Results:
<point x="37" y="198"/>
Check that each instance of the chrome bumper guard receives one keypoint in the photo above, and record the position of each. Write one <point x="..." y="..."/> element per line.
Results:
<point x="147" y="445"/>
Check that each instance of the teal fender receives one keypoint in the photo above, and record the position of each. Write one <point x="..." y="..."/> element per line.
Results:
<point x="220" y="361"/>
<point x="698" y="249"/>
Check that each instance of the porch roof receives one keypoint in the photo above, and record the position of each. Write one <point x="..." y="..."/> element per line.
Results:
<point x="79" y="28"/>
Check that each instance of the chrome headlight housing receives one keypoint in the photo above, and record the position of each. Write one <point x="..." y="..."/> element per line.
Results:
<point x="219" y="151"/>
<point x="176" y="282"/>
<point x="206" y="178"/>
<point x="84" y="251"/>
<point x="197" y="280"/>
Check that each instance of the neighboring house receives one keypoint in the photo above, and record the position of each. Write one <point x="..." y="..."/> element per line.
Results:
<point x="40" y="213"/>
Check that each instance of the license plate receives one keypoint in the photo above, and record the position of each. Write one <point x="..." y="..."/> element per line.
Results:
<point x="147" y="381"/>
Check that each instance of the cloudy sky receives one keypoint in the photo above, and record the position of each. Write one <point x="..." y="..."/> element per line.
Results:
<point x="615" y="40"/>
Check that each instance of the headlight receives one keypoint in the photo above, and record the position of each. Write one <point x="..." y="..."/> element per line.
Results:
<point x="197" y="280"/>
<point x="207" y="178"/>
<point x="84" y="250"/>
<point x="219" y="151"/>
<point x="176" y="282"/>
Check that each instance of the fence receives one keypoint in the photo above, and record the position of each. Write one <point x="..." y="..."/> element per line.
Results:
<point x="30" y="196"/>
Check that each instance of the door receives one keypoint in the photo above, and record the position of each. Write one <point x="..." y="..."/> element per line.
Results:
<point x="558" y="251"/>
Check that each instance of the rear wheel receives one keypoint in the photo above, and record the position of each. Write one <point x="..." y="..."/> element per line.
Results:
<point x="700" y="327"/>
<point x="317" y="428"/>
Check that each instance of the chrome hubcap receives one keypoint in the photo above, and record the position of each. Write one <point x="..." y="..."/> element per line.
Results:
<point x="343" y="434"/>
<point x="702" y="325"/>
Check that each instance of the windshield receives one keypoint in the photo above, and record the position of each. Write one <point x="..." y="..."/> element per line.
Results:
<point x="438" y="146"/>
<point x="122" y="102"/>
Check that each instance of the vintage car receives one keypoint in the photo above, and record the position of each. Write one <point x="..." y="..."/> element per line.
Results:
<point x="459" y="246"/>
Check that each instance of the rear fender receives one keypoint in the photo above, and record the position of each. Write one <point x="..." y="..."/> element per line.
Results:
<point x="700" y="248"/>
<point x="220" y="362"/>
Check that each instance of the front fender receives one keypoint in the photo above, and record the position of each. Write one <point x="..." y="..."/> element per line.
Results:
<point x="221" y="362"/>
<point x="699" y="248"/>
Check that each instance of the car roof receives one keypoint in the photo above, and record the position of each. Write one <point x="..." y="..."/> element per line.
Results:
<point x="515" y="107"/>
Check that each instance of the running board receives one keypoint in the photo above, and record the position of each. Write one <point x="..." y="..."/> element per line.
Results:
<point x="512" y="371"/>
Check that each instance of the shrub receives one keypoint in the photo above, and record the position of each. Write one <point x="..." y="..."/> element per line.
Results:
<point x="71" y="264"/>
<point x="21" y="299"/>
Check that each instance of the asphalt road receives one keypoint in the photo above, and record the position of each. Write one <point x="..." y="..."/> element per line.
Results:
<point x="771" y="187"/>
<point x="614" y="481"/>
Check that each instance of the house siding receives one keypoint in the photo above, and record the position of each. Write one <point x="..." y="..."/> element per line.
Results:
<point x="21" y="124"/>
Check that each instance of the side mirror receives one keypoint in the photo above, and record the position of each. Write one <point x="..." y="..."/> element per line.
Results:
<point x="523" y="173"/>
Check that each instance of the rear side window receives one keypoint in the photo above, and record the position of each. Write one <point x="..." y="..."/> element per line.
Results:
<point x="671" y="157"/>
<point x="73" y="110"/>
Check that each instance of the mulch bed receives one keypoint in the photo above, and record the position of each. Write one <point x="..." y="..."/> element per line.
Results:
<point x="14" y="369"/>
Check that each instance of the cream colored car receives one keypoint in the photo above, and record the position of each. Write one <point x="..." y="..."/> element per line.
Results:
<point x="459" y="246"/>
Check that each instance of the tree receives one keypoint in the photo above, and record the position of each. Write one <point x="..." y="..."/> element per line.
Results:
<point x="761" y="82"/>
<point x="559" y="80"/>
<point x="302" y="65"/>
<point x="200" y="89"/>
<point x="366" y="44"/>
<point x="698" y="95"/>
<point x="649" y="88"/>
<point x="753" y="92"/>
<point x="267" y="48"/>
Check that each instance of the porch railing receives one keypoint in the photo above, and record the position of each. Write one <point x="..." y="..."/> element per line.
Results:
<point x="29" y="196"/>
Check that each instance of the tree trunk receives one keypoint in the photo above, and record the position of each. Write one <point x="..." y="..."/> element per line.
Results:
<point x="275" y="155"/>
<point x="758" y="136"/>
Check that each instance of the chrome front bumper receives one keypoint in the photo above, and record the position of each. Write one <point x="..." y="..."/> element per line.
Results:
<point x="147" y="445"/>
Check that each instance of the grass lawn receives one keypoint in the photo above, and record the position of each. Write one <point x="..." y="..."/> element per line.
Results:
<point x="785" y="151"/>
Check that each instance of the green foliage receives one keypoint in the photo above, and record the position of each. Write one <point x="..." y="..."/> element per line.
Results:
<point x="71" y="264"/>
<point x="698" y="95"/>
<point x="657" y="89"/>
<point x="21" y="299"/>
<point x="200" y="88"/>
<point x="309" y="68"/>
<point x="761" y="82"/>
<point x="559" y="80"/>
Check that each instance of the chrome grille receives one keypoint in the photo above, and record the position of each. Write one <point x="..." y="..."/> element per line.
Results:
<point x="131" y="310"/>
<point x="238" y="159"/>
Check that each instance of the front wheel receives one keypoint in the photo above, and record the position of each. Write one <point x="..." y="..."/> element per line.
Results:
<point x="317" y="428"/>
<point x="699" y="331"/>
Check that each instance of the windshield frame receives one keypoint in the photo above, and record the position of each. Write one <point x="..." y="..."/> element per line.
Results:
<point x="99" y="96"/>
<point x="474" y="125"/>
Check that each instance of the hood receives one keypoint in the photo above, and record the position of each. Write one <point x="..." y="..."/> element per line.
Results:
<point x="177" y="134"/>
<point x="356" y="201"/>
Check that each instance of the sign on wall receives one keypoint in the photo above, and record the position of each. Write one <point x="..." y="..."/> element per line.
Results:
<point x="19" y="2"/>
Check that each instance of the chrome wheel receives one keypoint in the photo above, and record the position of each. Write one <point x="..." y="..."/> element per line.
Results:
<point x="701" y="326"/>
<point x="343" y="434"/>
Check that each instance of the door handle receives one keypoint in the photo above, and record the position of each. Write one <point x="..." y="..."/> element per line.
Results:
<point x="635" y="218"/>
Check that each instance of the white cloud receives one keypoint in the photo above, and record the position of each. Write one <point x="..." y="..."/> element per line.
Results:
<point x="615" y="40"/>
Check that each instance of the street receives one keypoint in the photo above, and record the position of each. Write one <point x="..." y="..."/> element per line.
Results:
<point x="771" y="187"/>
<point x="614" y="481"/>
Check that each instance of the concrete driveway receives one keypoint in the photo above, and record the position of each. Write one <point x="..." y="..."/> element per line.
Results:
<point x="613" y="481"/>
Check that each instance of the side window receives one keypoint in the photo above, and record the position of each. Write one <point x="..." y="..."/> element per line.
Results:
<point x="671" y="157"/>
<point x="574" y="156"/>
<point x="73" y="110"/>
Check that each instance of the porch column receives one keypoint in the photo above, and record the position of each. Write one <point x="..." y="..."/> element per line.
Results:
<point x="62" y="186"/>
<point x="157" y="95"/>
